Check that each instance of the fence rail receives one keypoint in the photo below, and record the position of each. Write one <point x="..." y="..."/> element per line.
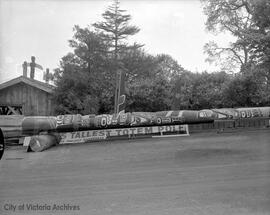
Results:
<point x="231" y="124"/>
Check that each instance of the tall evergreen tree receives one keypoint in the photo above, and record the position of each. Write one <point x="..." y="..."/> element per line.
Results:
<point x="117" y="29"/>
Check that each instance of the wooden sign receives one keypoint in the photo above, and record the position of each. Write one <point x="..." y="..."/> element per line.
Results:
<point x="88" y="136"/>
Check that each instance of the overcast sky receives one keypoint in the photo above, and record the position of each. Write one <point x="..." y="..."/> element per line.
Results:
<point x="42" y="28"/>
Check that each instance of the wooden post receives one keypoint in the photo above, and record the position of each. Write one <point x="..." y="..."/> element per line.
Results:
<point x="47" y="75"/>
<point x="24" y="65"/>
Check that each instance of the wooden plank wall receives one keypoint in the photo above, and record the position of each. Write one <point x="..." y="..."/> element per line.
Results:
<point x="33" y="100"/>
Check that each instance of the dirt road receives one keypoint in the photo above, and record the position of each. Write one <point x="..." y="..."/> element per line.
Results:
<point x="210" y="173"/>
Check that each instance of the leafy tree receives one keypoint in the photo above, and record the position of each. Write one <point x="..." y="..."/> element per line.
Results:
<point x="138" y="65"/>
<point x="249" y="22"/>
<point x="258" y="35"/>
<point x="242" y="91"/>
<point x="150" y="79"/>
<point x="167" y="67"/>
<point x="181" y="90"/>
<point x="208" y="90"/>
<point x="84" y="78"/>
<point x="199" y="90"/>
<point x="259" y="38"/>
<point x="151" y="94"/>
<point x="90" y="48"/>
<point x="233" y="16"/>
<point x="71" y="87"/>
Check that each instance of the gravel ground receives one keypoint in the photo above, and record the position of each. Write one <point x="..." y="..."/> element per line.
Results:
<point x="226" y="173"/>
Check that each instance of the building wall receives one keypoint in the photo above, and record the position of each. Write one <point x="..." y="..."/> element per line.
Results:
<point x="33" y="100"/>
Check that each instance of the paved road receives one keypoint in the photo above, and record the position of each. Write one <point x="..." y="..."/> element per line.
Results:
<point x="207" y="174"/>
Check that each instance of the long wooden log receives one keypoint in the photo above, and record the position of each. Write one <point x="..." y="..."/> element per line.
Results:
<point x="36" y="124"/>
<point x="11" y="126"/>
<point x="68" y="123"/>
<point x="11" y="120"/>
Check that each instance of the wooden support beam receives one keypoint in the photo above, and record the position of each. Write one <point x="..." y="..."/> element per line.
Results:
<point x="13" y="111"/>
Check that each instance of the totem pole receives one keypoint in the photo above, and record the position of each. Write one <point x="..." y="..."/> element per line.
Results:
<point x="32" y="65"/>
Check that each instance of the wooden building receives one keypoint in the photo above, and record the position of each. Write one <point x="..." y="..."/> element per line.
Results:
<point x="26" y="96"/>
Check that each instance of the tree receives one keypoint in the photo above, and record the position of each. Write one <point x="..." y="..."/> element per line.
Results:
<point x="242" y="91"/>
<point x="138" y="65"/>
<point x="233" y="16"/>
<point x="84" y="78"/>
<point x="70" y="94"/>
<point x="181" y="90"/>
<point x="259" y="38"/>
<point x="167" y="67"/>
<point x="90" y="48"/>
<point x="199" y="90"/>
<point x="145" y="76"/>
<point x="149" y="94"/>
<point x="116" y="29"/>
<point x="249" y="22"/>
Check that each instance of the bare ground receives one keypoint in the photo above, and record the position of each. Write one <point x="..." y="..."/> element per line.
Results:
<point x="227" y="173"/>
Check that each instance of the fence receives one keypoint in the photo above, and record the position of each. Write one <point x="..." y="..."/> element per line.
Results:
<point x="231" y="124"/>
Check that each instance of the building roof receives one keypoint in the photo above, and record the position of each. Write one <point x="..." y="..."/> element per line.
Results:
<point x="32" y="82"/>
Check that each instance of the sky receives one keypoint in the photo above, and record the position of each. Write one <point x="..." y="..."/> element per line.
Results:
<point x="42" y="28"/>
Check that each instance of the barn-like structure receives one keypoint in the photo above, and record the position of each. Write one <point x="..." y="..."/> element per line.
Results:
<point x="26" y="96"/>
